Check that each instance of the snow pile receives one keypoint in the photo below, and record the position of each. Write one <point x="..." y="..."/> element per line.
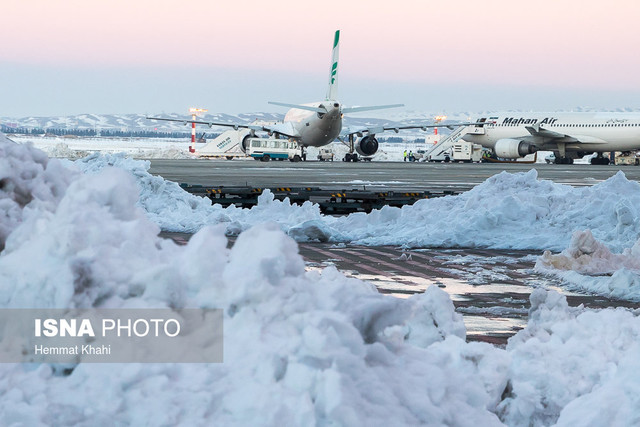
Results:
<point x="171" y="152"/>
<point x="62" y="150"/>
<point x="142" y="148"/>
<point x="573" y="367"/>
<point x="173" y="209"/>
<point x="507" y="211"/>
<point x="27" y="178"/>
<point x="586" y="255"/>
<point x="165" y="203"/>
<point x="301" y="348"/>
<point x="617" y="274"/>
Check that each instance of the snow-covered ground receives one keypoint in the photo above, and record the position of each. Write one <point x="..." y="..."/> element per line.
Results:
<point x="171" y="148"/>
<point x="309" y="348"/>
<point x="142" y="148"/>
<point x="507" y="211"/>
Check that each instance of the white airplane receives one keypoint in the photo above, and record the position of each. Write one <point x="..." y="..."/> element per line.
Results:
<point x="568" y="135"/>
<point x="320" y="123"/>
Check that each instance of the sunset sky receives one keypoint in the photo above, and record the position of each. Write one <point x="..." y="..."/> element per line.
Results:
<point x="140" y="56"/>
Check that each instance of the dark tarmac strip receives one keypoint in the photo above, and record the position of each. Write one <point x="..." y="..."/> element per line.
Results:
<point x="370" y="176"/>
<point x="490" y="288"/>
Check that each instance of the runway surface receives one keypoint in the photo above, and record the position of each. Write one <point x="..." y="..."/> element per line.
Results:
<point x="374" y="175"/>
<point x="490" y="288"/>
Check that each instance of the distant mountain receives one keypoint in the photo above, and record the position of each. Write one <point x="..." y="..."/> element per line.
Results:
<point x="139" y="122"/>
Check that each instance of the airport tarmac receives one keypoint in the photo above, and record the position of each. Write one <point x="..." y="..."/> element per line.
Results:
<point x="489" y="287"/>
<point x="370" y="175"/>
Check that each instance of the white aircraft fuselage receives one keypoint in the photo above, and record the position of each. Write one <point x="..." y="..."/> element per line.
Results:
<point x="513" y="135"/>
<point x="316" y="129"/>
<point x="318" y="123"/>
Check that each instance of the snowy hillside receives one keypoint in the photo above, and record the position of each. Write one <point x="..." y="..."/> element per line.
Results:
<point x="133" y="122"/>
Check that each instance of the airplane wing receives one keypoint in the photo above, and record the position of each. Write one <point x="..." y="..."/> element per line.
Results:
<point x="236" y="126"/>
<point x="285" y="129"/>
<point x="552" y="136"/>
<point x="379" y="129"/>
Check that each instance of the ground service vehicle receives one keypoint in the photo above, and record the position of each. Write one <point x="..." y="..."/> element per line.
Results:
<point x="464" y="151"/>
<point x="266" y="149"/>
<point x="627" y="158"/>
<point x="325" y="154"/>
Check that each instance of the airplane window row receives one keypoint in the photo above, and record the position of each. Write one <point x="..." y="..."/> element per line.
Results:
<point x="596" y="125"/>
<point x="575" y="125"/>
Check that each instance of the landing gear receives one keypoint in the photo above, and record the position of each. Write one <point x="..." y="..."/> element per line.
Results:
<point x="561" y="155"/>
<point x="599" y="160"/>
<point x="563" y="161"/>
<point x="351" y="157"/>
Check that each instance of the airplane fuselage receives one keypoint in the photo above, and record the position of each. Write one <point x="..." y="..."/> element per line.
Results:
<point x="316" y="129"/>
<point x="583" y="132"/>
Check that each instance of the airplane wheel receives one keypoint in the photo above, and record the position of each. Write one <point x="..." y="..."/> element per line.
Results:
<point x="564" y="161"/>
<point x="600" y="161"/>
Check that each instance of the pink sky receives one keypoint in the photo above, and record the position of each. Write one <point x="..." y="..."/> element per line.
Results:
<point x="569" y="44"/>
<point x="542" y="42"/>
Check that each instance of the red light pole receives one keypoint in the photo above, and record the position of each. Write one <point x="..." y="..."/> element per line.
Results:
<point x="194" y="113"/>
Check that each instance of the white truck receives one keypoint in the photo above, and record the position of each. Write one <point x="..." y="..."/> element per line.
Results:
<point x="440" y="155"/>
<point x="464" y="151"/>
<point x="325" y="154"/>
<point x="266" y="149"/>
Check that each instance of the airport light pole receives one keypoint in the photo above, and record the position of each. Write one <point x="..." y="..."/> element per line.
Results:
<point x="437" y="119"/>
<point x="194" y="113"/>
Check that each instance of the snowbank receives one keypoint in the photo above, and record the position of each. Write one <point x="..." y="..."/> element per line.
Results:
<point x="573" y="367"/>
<point x="168" y="205"/>
<point x="140" y="148"/>
<point x="507" y="211"/>
<point x="301" y="348"/>
<point x="27" y="178"/>
<point x="588" y="264"/>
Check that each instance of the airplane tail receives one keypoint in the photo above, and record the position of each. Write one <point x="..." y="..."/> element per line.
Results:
<point x="332" y="92"/>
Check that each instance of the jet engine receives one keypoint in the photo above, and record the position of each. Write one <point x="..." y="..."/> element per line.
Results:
<point x="245" y="142"/>
<point x="513" y="148"/>
<point x="366" y="146"/>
